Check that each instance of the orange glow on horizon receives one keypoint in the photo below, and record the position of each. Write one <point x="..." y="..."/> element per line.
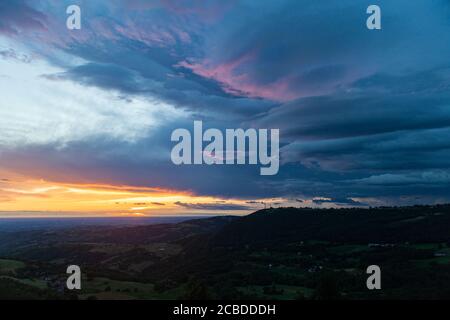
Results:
<point x="36" y="197"/>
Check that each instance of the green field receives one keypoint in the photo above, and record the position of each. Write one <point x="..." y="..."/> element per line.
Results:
<point x="348" y="249"/>
<point x="285" y="292"/>
<point x="40" y="284"/>
<point x="104" y="288"/>
<point x="10" y="266"/>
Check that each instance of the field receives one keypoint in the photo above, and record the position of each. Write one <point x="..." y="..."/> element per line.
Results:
<point x="10" y="266"/>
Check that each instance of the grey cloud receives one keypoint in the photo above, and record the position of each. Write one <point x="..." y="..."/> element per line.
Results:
<point x="434" y="177"/>
<point x="340" y="201"/>
<point x="212" y="206"/>
<point x="17" y="16"/>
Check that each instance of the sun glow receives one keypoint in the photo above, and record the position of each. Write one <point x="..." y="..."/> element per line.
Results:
<point x="36" y="197"/>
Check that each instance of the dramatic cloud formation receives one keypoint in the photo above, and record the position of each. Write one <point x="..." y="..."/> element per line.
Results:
<point x="364" y="116"/>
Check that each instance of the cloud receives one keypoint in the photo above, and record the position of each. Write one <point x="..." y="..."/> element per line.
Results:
<point x="18" y="16"/>
<point x="371" y="125"/>
<point x="260" y="63"/>
<point x="339" y="201"/>
<point x="158" y="203"/>
<point x="212" y="206"/>
<point x="12" y="54"/>
<point x="361" y="114"/>
<point x="355" y="112"/>
<point x="435" y="177"/>
<point x="74" y="112"/>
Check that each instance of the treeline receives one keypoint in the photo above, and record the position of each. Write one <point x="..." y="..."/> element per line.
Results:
<point x="372" y="225"/>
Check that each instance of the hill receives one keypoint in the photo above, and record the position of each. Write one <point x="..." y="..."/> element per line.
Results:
<point x="381" y="225"/>
<point x="283" y="253"/>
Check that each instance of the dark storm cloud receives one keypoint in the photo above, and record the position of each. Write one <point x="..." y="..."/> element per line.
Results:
<point x="276" y="51"/>
<point x="373" y="105"/>
<point x="361" y="113"/>
<point x="104" y="76"/>
<point x="166" y="83"/>
<point x="380" y="122"/>
<point x="212" y="206"/>
<point x="340" y="201"/>
<point x="434" y="177"/>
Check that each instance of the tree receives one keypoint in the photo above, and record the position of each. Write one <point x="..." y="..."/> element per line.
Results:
<point x="196" y="290"/>
<point x="327" y="288"/>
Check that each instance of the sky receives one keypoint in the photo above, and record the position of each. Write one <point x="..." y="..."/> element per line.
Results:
<point x="86" y="115"/>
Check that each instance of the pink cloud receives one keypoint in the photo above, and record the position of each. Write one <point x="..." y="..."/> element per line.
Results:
<point x="236" y="82"/>
<point x="154" y="36"/>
